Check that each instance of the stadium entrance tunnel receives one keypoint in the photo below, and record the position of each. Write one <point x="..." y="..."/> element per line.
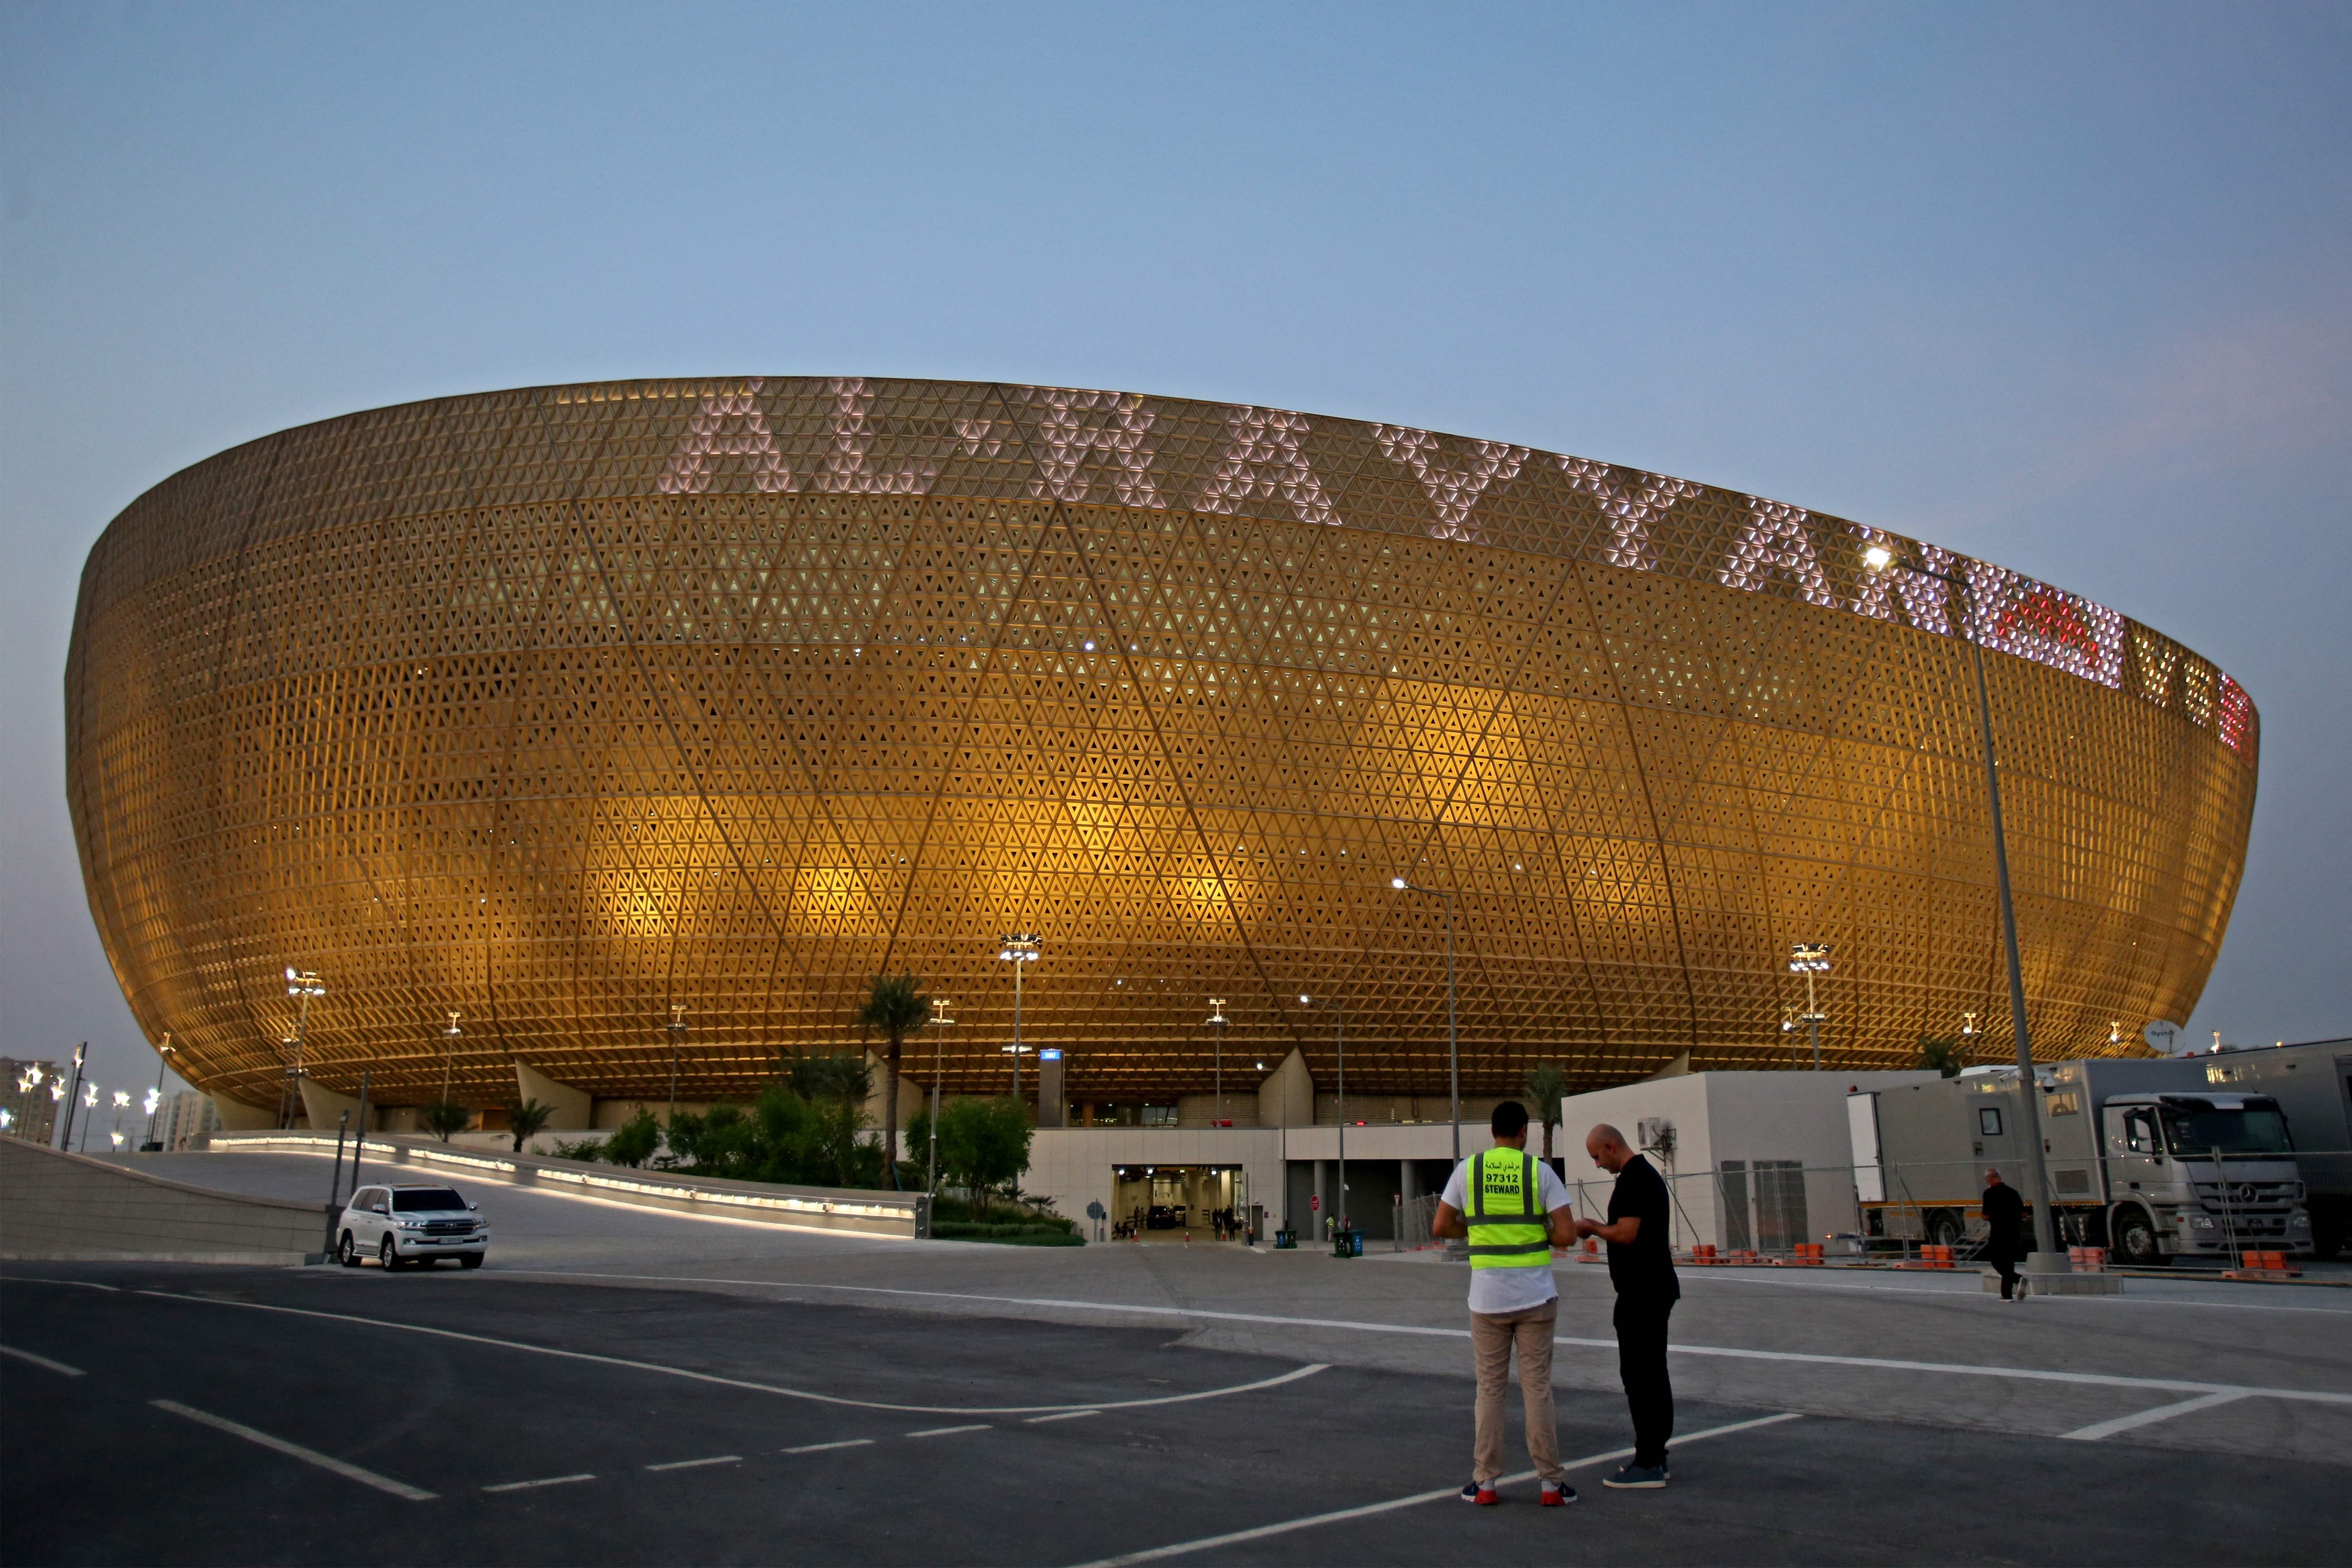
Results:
<point x="1182" y="1203"/>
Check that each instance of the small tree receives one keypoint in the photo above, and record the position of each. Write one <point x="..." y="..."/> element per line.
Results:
<point x="984" y="1143"/>
<point x="634" y="1142"/>
<point x="444" y="1117"/>
<point x="894" y="1005"/>
<point x="1547" y="1085"/>
<point x="526" y="1120"/>
<point x="1942" y="1053"/>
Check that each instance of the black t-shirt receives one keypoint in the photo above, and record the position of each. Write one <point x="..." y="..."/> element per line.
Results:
<point x="1644" y="1266"/>
<point x="2004" y="1211"/>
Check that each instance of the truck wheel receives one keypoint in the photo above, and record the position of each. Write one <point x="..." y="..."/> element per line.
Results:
<point x="2135" y="1239"/>
<point x="1944" y="1228"/>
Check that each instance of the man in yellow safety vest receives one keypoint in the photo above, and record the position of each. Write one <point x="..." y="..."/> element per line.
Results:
<point x="1514" y="1208"/>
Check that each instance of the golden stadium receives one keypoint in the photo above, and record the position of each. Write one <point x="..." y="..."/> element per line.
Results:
<point x="568" y="708"/>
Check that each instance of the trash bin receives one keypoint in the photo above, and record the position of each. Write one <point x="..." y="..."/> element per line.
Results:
<point x="1346" y="1244"/>
<point x="1286" y="1239"/>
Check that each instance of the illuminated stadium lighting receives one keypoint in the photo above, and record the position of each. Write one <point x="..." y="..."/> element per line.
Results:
<point x="745" y="846"/>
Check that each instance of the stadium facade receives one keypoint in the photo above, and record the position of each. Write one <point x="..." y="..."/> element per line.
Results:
<point x="566" y="708"/>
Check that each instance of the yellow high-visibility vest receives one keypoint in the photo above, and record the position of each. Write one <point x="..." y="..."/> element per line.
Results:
<point x="1507" y="1217"/>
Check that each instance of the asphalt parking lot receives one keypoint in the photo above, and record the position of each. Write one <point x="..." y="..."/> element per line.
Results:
<point x="179" y="1413"/>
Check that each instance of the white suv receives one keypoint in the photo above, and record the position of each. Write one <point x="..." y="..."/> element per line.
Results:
<point x="412" y="1223"/>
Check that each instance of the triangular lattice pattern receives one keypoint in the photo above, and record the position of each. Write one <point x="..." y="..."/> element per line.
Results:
<point x="557" y="706"/>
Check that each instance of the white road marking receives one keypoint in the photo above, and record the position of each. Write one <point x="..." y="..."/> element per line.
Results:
<point x="37" y="1280"/>
<point x="1955" y="1293"/>
<point x="295" y="1450"/>
<point x="697" y="1464"/>
<point x="821" y="1447"/>
<point x="2092" y="1433"/>
<point x="543" y="1481"/>
<point x="1061" y="1415"/>
<point x="1337" y="1516"/>
<point x="56" y="1366"/>
<point x="2029" y="1374"/>
<point x="1291" y="1376"/>
<point x="949" y="1431"/>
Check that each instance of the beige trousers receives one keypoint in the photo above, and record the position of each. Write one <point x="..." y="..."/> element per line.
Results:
<point x="1491" y="1341"/>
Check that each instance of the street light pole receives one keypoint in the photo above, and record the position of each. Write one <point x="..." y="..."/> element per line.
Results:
<point x="1340" y="1011"/>
<point x="1452" y="1038"/>
<point x="676" y="1036"/>
<point x="1878" y="558"/>
<point x="302" y="984"/>
<point x="938" y="1020"/>
<point x="1808" y="959"/>
<point x="1217" y="1025"/>
<point x="1018" y="948"/>
<point x="448" y="1053"/>
<point x="161" y="1052"/>
<point x="73" y="1095"/>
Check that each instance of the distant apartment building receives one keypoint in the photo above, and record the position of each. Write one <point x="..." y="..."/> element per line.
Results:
<point x="32" y="1110"/>
<point x="186" y="1121"/>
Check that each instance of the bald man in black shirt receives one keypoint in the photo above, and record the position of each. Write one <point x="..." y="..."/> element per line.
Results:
<point x="1642" y="1268"/>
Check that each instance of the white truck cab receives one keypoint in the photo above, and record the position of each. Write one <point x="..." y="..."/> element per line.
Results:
<point x="2200" y="1174"/>
<point x="410" y="1222"/>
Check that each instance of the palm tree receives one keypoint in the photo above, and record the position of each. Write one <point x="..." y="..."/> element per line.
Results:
<point x="527" y="1119"/>
<point x="1547" y="1085"/>
<point x="895" y="1006"/>
<point x="445" y="1117"/>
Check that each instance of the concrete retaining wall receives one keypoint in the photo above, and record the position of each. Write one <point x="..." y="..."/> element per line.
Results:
<point x="63" y="1206"/>
<point x="867" y="1213"/>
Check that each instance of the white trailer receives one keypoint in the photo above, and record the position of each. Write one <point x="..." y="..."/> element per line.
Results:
<point x="2312" y="1083"/>
<point x="2143" y="1156"/>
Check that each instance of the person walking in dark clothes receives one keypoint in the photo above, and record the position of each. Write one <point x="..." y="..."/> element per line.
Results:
<point x="1641" y="1266"/>
<point x="2004" y="1213"/>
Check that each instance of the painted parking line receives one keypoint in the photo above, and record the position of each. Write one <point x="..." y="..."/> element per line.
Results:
<point x="295" y="1450"/>
<point x="543" y="1481"/>
<point x="1293" y="1375"/>
<point x="1351" y="1325"/>
<point x="1061" y="1415"/>
<point x="1340" y="1516"/>
<point x="697" y="1464"/>
<point x="822" y="1447"/>
<point x="2098" y="1430"/>
<point x="56" y="1366"/>
<point x="950" y="1431"/>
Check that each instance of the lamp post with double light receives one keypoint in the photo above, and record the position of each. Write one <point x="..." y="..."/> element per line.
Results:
<point x="1018" y="949"/>
<point x="1808" y="959"/>
<point x="155" y="1095"/>
<point x="302" y="984"/>
<point x="1880" y="558"/>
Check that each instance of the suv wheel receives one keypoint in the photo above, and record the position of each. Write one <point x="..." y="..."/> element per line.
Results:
<point x="2135" y="1236"/>
<point x="469" y="1260"/>
<point x="389" y="1254"/>
<point x="347" y="1252"/>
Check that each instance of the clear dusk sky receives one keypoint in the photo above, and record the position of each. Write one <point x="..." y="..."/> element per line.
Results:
<point x="2069" y="288"/>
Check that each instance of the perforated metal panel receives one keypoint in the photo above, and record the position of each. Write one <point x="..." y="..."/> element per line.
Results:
<point x="558" y="706"/>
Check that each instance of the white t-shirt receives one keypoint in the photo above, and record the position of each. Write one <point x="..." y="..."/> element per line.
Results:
<point x="1498" y="1291"/>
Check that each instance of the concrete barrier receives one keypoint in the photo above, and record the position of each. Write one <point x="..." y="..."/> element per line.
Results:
<point x="61" y="1206"/>
<point x="856" y="1210"/>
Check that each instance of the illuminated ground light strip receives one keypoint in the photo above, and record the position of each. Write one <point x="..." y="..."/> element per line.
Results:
<point x="584" y="1179"/>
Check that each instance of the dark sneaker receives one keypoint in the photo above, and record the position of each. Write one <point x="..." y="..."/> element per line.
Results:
<point x="1483" y="1493"/>
<point x="1557" y="1494"/>
<point x="1637" y="1477"/>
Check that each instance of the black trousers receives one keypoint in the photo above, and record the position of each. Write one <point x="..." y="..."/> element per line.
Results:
<point x="2004" y="1263"/>
<point x="1642" y="1367"/>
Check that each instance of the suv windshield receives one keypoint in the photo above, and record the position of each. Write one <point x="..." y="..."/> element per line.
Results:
<point x="419" y="1200"/>
<point x="2193" y="1129"/>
